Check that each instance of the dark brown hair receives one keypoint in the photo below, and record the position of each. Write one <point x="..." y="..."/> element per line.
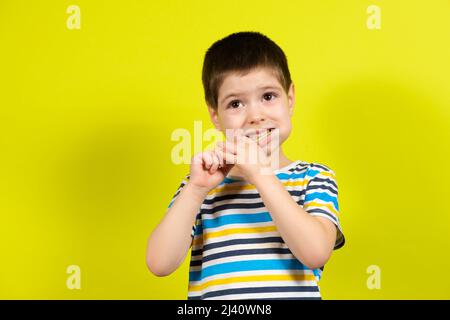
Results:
<point x="241" y="52"/>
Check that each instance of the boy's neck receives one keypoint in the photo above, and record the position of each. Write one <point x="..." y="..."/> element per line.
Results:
<point x="283" y="162"/>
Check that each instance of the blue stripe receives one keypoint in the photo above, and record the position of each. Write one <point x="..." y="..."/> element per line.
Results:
<point x="287" y="176"/>
<point x="248" y="265"/>
<point x="313" y="173"/>
<point x="229" y="180"/>
<point x="236" y="218"/>
<point x="317" y="273"/>
<point x="322" y="196"/>
<point x="282" y="176"/>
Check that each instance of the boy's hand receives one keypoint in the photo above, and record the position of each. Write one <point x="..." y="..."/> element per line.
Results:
<point x="208" y="169"/>
<point x="246" y="154"/>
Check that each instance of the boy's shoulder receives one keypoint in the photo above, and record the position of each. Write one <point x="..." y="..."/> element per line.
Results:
<point x="311" y="166"/>
<point x="320" y="167"/>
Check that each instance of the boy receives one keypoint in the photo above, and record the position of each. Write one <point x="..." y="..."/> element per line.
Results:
<point x="256" y="231"/>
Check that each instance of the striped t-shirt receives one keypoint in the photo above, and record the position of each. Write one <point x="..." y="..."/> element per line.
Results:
<point x="237" y="252"/>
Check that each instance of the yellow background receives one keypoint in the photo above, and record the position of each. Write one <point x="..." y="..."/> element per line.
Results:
<point x="86" y="118"/>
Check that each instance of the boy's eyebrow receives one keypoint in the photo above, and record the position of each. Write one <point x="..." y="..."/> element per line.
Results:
<point x="260" y="88"/>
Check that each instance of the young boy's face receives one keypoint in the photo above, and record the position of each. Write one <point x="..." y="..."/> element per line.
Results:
<point x="255" y="100"/>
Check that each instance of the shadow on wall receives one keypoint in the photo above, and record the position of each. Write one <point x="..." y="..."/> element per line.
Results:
<point x="380" y="123"/>
<point x="389" y="143"/>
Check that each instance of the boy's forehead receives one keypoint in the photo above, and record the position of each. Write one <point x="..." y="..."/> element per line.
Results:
<point x="235" y="82"/>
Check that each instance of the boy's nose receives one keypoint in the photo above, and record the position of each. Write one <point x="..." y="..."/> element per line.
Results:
<point x="257" y="120"/>
<point x="254" y="115"/>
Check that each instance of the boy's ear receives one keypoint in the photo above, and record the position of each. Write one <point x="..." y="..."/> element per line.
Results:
<point x="213" y="114"/>
<point x="291" y="99"/>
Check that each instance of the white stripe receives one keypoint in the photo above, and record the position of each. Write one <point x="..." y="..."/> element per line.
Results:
<point x="232" y="201"/>
<point x="319" y="201"/>
<point x="256" y="284"/>
<point x="226" y="191"/>
<point x="268" y="245"/>
<point x="266" y="295"/>
<point x="240" y="225"/>
<point x="258" y="235"/>
<point x="323" y="215"/>
<point x="299" y="170"/>
<point x="323" y="183"/>
<point x="226" y="212"/>
<point x="234" y="190"/>
<point x="195" y="268"/>
<point x="242" y="200"/>
<point x="323" y="190"/>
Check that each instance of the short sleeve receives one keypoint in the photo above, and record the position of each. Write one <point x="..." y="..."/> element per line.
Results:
<point x="321" y="198"/>
<point x="182" y="185"/>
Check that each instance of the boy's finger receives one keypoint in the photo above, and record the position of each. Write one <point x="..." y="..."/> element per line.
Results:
<point x="218" y="154"/>
<point x="230" y="147"/>
<point x="207" y="159"/>
<point x="228" y="158"/>
<point x="215" y="162"/>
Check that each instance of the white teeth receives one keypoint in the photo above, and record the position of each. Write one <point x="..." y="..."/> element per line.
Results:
<point x="261" y="133"/>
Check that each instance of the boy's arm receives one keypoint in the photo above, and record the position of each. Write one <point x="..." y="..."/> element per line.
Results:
<point x="311" y="239"/>
<point x="170" y="241"/>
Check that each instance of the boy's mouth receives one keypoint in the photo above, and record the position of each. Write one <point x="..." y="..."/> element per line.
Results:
<point x="260" y="135"/>
<point x="258" y="132"/>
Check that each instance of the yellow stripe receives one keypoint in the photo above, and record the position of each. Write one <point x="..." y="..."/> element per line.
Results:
<point x="228" y="187"/>
<point x="227" y="232"/>
<point x="299" y="182"/>
<point x="317" y="204"/>
<point x="252" y="187"/>
<point x="197" y="241"/>
<point x="238" y="230"/>
<point x="222" y="233"/>
<point x="280" y="277"/>
<point x="328" y="174"/>
<point x="295" y="183"/>
<point x="208" y="235"/>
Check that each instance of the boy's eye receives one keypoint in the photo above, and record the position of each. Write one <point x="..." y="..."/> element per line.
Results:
<point x="269" y="96"/>
<point x="234" y="104"/>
